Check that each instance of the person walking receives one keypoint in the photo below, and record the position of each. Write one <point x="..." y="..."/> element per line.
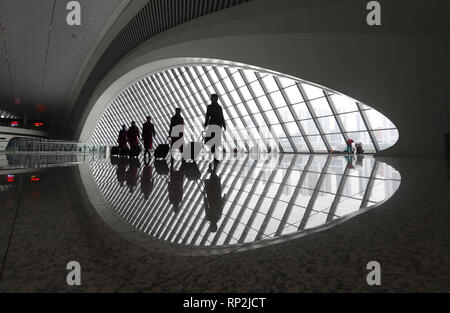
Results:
<point x="214" y="116"/>
<point x="122" y="139"/>
<point x="133" y="135"/>
<point x="148" y="133"/>
<point x="176" y="120"/>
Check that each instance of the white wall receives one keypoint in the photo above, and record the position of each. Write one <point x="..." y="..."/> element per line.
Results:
<point x="400" y="68"/>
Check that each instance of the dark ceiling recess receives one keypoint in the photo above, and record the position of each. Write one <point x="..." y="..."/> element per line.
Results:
<point x="154" y="18"/>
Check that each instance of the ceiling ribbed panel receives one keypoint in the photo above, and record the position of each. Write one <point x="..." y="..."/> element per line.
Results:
<point x="154" y="18"/>
<point x="158" y="16"/>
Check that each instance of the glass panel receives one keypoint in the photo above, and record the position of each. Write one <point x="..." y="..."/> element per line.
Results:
<point x="285" y="115"/>
<point x="386" y="138"/>
<point x="343" y="104"/>
<point x="301" y="111"/>
<point x="329" y="125"/>
<point x="352" y="122"/>
<point x="312" y="92"/>
<point x="293" y="129"/>
<point x="293" y="94"/>
<point x="300" y="144"/>
<point x="256" y="88"/>
<point x="378" y="120"/>
<point x="286" y="82"/>
<point x="277" y="130"/>
<point x="309" y="126"/>
<point x="336" y="141"/>
<point x="269" y="83"/>
<point x="317" y="144"/>
<point x="321" y="107"/>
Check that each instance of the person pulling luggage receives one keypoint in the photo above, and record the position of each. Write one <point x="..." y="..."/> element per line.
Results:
<point x="133" y="137"/>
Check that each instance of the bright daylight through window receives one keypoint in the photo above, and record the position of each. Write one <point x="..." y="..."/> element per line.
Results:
<point x="262" y="110"/>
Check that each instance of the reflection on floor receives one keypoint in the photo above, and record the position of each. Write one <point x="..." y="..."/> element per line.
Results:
<point x="241" y="200"/>
<point x="291" y="224"/>
<point x="10" y="161"/>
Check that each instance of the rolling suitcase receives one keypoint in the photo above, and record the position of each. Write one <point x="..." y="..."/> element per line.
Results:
<point x="161" y="151"/>
<point x="124" y="152"/>
<point x="115" y="150"/>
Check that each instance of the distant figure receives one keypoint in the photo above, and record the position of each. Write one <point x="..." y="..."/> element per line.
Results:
<point x="175" y="188"/>
<point x="147" y="180"/>
<point x="214" y="202"/>
<point x="122" y="139"/>
<point x="148" y="133"/>
<point x="349" y="146"/>
<point x="133" y="135"/>
<point x="214" y="116"/>
<point x="174" y="121"/>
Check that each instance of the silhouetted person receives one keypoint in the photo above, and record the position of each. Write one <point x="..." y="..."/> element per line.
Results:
<point x="147" y="180"/>
<point x="214" y="201"/>
<point x="175" y="121"/>
<point x="132" y="174"/>
<point x="122" y="139"/>
<point x="121" y="171"/>
<point x="148" y="133"/>
<point x="133" y="135"/>
<point x="175" y="188"/>
<point x="214" y="116"/>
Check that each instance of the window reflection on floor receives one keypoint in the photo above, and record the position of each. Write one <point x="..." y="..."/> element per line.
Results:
<point x="241" y="200"/>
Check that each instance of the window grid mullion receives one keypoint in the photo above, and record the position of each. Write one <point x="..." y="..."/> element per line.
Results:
<point x="208" y="76"/>
<point x="277" y="114"/>
<point x="299" y="125"/>
<point x="336" y="116"/>
<point x="226" y="109"/>
<point x="313" y="198"/>
<point x="314" y="117"/>
<point x="239" y="94"/>
<point x="368" y="126"/>
<point x="188" y="120"/>
<point x="261" y="111"/>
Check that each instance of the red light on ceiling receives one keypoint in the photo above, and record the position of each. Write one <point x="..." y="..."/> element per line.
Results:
<point x="38" y="124"/>
<point x="17" y="101"/>
<point x="10" y="178"/>
<point x="34" y="178"/>
<point x="40" y="107"/>
<point x="14" y="124"/>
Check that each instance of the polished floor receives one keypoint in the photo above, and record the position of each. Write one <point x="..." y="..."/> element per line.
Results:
<point x="248" y="223"/>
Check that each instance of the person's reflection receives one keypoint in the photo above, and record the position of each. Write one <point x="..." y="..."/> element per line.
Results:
<point x="121" y="171"/>
<point x="214" y="201"/>
<point x="175" y="187"/>
<point x="132" y="174"/>
<point x="349" y="159"/>
<point x="147" y="180"/>
<point x="359" y="160"/>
